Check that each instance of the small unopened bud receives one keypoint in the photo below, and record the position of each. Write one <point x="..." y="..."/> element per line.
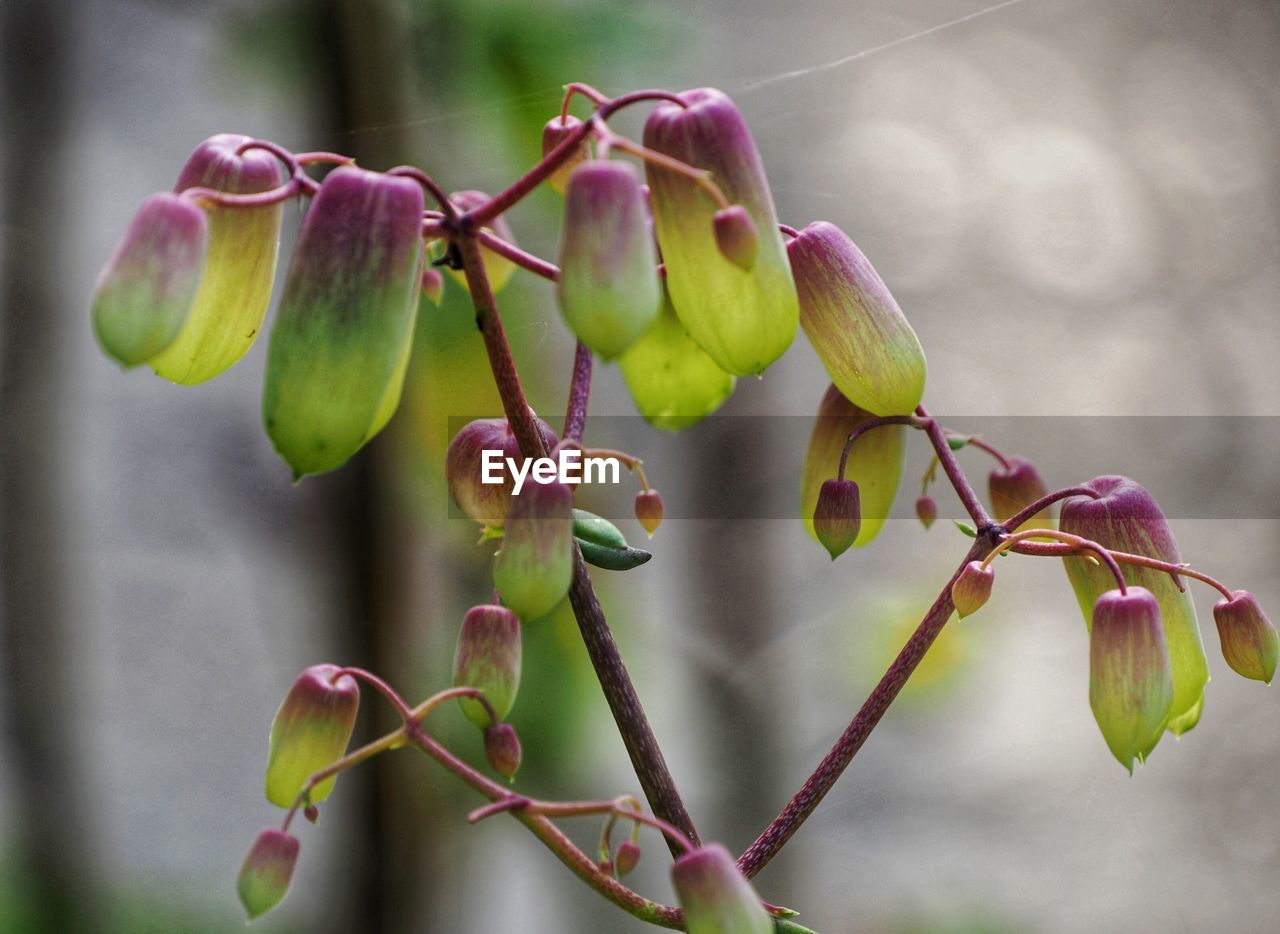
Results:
<point x="837" y="518"/>
<point x="557" y="130"/>
<point x="432" y="285"/>
<point x="149" y="284"/>
<point x="310" y="731"/>
<point x="311" y="813"/>
<point x="1249" y="640"/>
<point x="626" y="857"/>
<point x="736" y="236"/>
<point x="502" y="749"/>
<point x="1015" y="487"/>
<point x="1130" y="678"/>
<point x="926" y="510"/>
<point x="972" y="588"/>
<point x="267" y="870"/>
<point x="534" y="568"/>
<point x="488" y="658"/>
<point x="650" y="510"/>
<point x="486" y="503"/>
<point x="715" y="896"/>
<point x="498" y="268"/>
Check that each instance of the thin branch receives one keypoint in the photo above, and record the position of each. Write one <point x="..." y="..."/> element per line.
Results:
<point x="575" y="416"/>
<point x="972" y="505"/>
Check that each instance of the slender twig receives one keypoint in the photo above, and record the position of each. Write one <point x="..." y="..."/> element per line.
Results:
<point x="972" y="505"/>
<point x="975" y="441"/>
<point x="430" y="184"/>
<point x="534" y="264"/>
<point x="575" y="415"/>
<point x="870" y="424"/>
<point x="1048" y="500"/>
<point x="1077" y="542"/>
<point x="1055" y="550"/>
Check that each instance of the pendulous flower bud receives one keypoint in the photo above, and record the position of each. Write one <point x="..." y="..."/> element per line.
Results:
<point x="486" y="503"/>
<point x="1015" y="487"/>
<point x="310" y="732"/>
<point x="488" y="658"/>
<point x="341" y="342"/>
<point x="241" y="265"/>
<point x="534" y="568"/>
<point x="716" y="898"/>
<point x="1131" y="685"/>
<point x="674" y="383"/>
<point x="432" y="285"/>
<point x="972" y="588"/>
<point x="266" y="872"/>
<point x="649" y="510"/>
<point x="743" y="320"/>
<point x="837" y="516"/>
<point x="736" y="236"/>
<point x="859" y="332"/>
<point x="557" y="130"/>
<point x="609" y="291"/>
<point x="875" y="463"/>
<point x="626" y="858"/>
<point x="926" y="511"/>
<point x="498" y="268"/>
<point x="149" y="284"/>
<point x="502" y="749"/>
<point x="1249" y="640"/>
<point x="1127" y="518"/>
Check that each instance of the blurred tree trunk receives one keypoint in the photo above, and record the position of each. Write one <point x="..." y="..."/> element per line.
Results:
<point x="52" y="832"/>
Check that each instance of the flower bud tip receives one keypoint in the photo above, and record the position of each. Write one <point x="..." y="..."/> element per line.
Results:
<point x="502" y="749"/>
<point x="972" y="588"/>
<point x="926" y="510"/>
<point x="649" y="510"/>
<point x="1249" y="640"/>
<point x="837" y="518"/>
<point x="267" y="870"/>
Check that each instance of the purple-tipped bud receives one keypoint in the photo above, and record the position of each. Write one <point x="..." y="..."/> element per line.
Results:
<point x="1131" y="684"/>
<point x="743" y="320"/>
<point x="1015" y="487"/>
<point x="235" y="288"/>
<point x="1249" y="640"/>
<point x="972" y="588"/>
<point x="266" y="872"/>
<point x="341" y="342"/>
<point x="875" y="462"/>
<point x="488" y="658"/>
<point x="716" y="898"/>
<point x="626" y="857"/>
<point x="502" y="749"/>
<point x="310" y="732"/>
<point x="837" y="517"/>
<point x="486" y="503"/>
<point x="311" y="813"/>
<point x="649" y="510"/>
<point x="609" y="292"/>
<point x="557" y="130"/>
<point x="926" y="511"/>
<point x="534" y="568"/>
<point x="149" y="284"/>
<point x="1125" y="517"/>
<point x="736" y="236"/>
<point x="859" y="332"/>
<point x="432" y="285"/>
<point x="499" y="268"/>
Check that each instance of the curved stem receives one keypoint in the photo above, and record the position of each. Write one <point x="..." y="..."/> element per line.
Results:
<point x="802" y="804"/>
<point x="975" y="441"/>
<point x="868" y="425"/>
<point x="972" y="505"/>
<point x="385" y="689"/>
<point x="1078" y="542"/>
<point x="524" y="260"/>
<point x="586" y="90"/>
<point x="211" y="196"/>
<point x="575" y="416"/>
<point x="1048" y="500"/>
<point x="789" y="231"/>
<point x="430" y="184"/>
<point x="700" y="177"/>
<point x="582" y="809"/>
<point x="1051" y="550"/>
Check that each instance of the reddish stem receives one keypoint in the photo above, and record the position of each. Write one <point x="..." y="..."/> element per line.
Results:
<point x="575" y="416"/>
<point x="972" y="504"/>
<point x="866" y="426"/>
<point x="524" y="260"/>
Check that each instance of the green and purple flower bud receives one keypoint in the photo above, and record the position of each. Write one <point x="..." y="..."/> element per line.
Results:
<point x="488" y="658"/>
<point x="736" y="236"/>
<point x="557" y="130"/>
<point x="1127" y="518"/>
<point x="972" y="588"/>
<point x="498" y="268"/>
<point x="1015" y="487"/>
<point x="487" y="503"/>
<point x="240" y="268"/>
<point x="716" y="898"/>
<point x="927" y="511"/>
<point x="859" y="332"/>
<point x="150" y="282"/>
<point x="650" y="510"/>
<point x="609" y="291"/>
<point x="743" y="320"/>
<point x="502" y="749"/>
<point x="1249" y="641"/>
<point x="341" y="342"/>
<point x="1131" y="684"/>
<point x="875" y="463"/>
<point x="674" y="383"/>
<point x="432" y="285"/>
<point x="534" y="568"/>
<point x="626" y="857"/>
<point x="310" y="732"/>
<point x="837" y="517"/>
<point x="266" y="872"/>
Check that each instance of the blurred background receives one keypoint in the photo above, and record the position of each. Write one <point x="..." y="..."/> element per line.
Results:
<point x="1075" y="203"/>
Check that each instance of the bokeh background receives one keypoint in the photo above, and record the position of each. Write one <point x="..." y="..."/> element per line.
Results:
<point x="1075" y="202"/>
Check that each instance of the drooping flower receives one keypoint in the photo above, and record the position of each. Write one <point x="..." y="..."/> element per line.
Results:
<point x="837" y="517"/>
<point x="926" y="511"/>
<point x="488" y="658"/>
<point x="649" y="510"/>
<point x="1015" y="487"/>
<point x="715" y="896"/>
<point x="502" y="749"/>
<point x="534" y="567"/>
<point x="557" y="130"/>
<point x="1249" y="641"/>
<point x="267" y="871"/>
<point x="310" y="732"/>
<point x="972" y="588"/>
